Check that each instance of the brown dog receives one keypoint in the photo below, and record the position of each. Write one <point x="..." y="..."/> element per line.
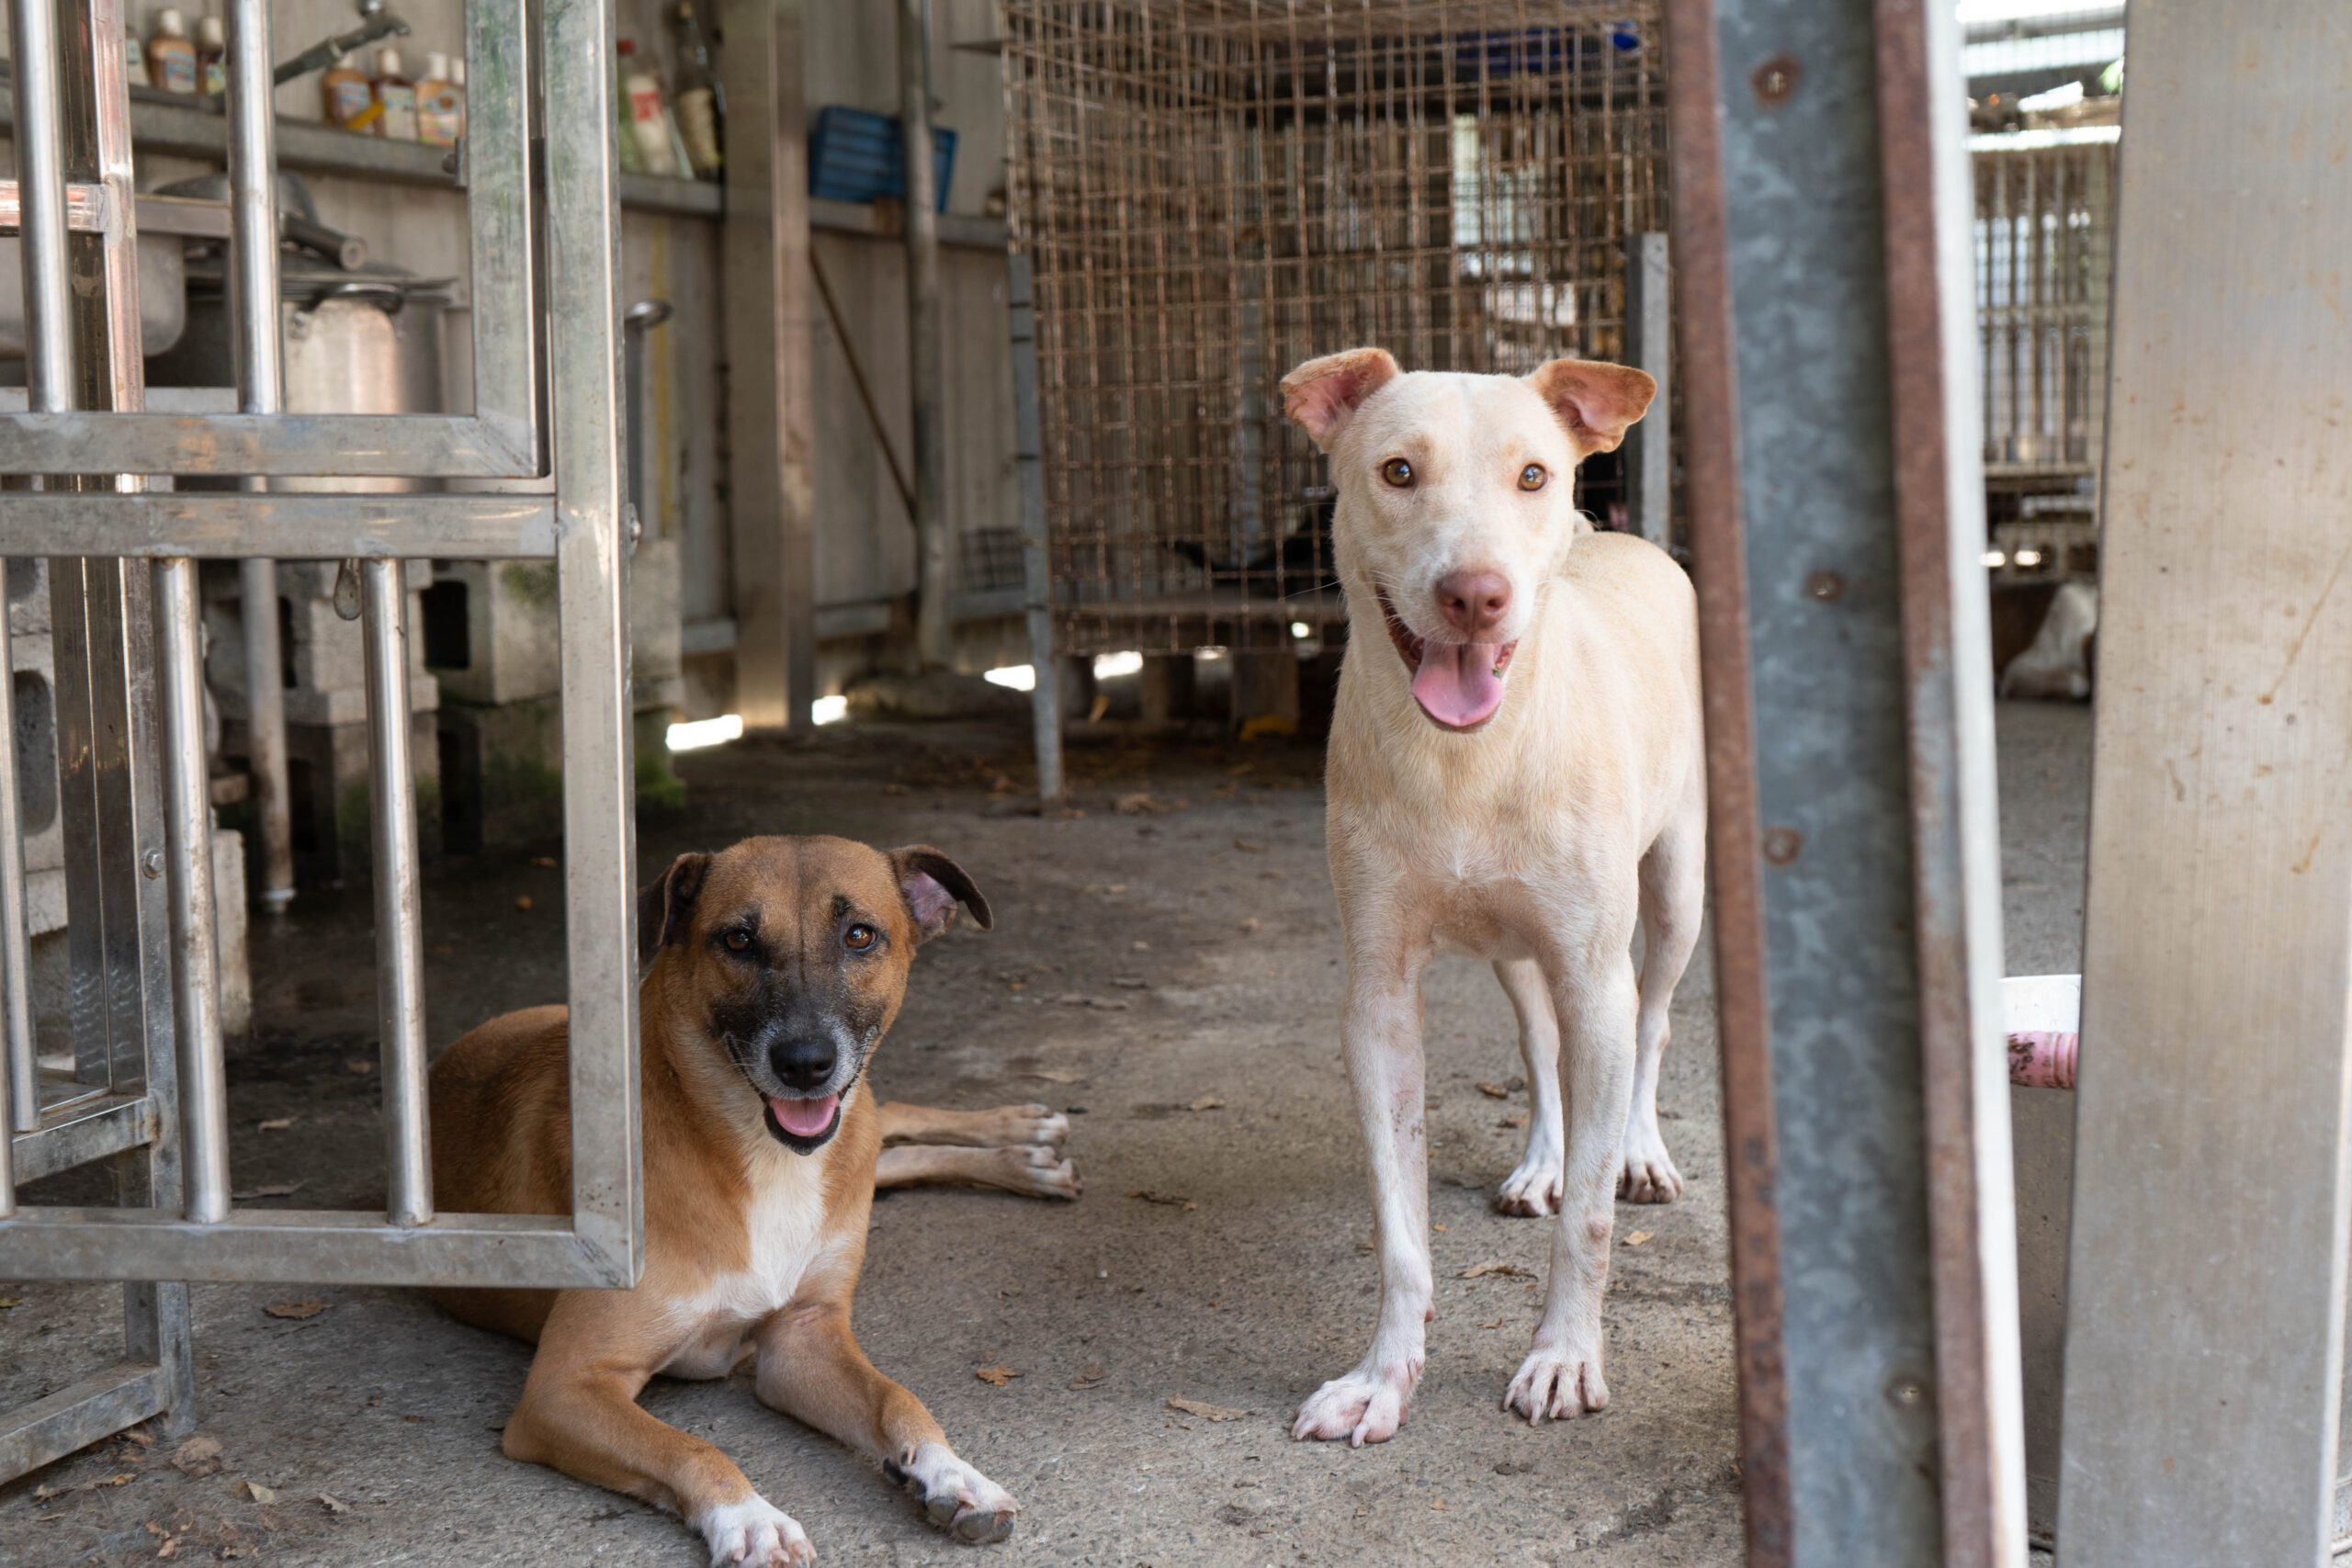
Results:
<point x="777" y="967"/>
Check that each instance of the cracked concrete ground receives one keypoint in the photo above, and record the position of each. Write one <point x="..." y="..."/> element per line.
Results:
<point x="1146" y="961"/>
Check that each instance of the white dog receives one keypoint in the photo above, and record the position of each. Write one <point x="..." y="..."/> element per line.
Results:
<point x="1515" y="771"/>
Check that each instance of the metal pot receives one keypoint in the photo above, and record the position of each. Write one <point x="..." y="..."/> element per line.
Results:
<point x="365" y="342"/>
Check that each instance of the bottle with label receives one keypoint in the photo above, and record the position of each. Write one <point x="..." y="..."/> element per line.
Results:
<point x="701" y="107"/>
<point x="395" y="98"/>
<point x="440" y="112"/>
<point x="171" y="58"/>
<point x="649" y="120"/>
<point x="212" y="57"/>
<point x="624" y="57"/>
<point x="350" y="105"/>
<point x="134" y="59"/>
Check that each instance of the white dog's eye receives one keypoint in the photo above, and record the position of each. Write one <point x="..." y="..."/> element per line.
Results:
<point x="1533" y="477"/>
<point x="1398" y="472"/>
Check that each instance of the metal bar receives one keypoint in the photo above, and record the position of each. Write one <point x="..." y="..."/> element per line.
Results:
<point x="88" y="1132"/>
<point x="1037" y="591"/>
<point x="1846" y="968"/>
<point x="325" y="1247"/>
<point x="865" y="390"/>
<point x="502" y="239"/>
<point x="172" y="400"/>
<point x="2204" y="1357"/>
<point x="592" y="561"/>
<point x="934" y="561"/>
<point x="1939" y="482"/>
<point x="210" y="526"/>
<point x="85" y="208"/>
<point x="399" y="948"/>
<point x="317" y="446"/>
<point x="771" y="416"/>
<point x="261" y="380"/>
<point x="195" y="969"/>
<point x="1735" y="859"/>
<point x="79" y="1414"/>
<point x="1649" y="344"/>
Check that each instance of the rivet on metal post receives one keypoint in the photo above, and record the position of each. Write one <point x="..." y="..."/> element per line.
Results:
<point x="151" y="864"/>
<point x="1782" y="845"/>
<point x="1776" y="78"/>
<point x="1825" y="586"/>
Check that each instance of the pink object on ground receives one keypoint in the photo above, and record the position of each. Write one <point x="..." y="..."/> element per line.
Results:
<point x="2044" y="1058"/>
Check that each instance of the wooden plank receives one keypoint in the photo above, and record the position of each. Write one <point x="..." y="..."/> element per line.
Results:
<point x="2204" y="1343"/>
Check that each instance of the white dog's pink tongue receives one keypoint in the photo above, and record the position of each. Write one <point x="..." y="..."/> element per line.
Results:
<point x="1456" y="684"/>
<point x="805" y="1118"/>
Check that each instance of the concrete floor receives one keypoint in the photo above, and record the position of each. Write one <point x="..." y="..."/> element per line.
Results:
<point x="1146" y="959"/>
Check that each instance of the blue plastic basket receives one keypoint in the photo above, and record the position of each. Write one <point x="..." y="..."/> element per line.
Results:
<point x="858" y="155"/>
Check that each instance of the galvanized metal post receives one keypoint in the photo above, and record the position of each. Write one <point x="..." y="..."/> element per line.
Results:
<point x="261" y="389"/>
<point x="2204" y="1349"/>
<point x="926" y="332"/>
<point x="399" y="914"/>
<point x="1819" y="190"/>
<point x="1649" y="344"/>
<point x="1036" y="579"/>
<point x="771" y="421"/>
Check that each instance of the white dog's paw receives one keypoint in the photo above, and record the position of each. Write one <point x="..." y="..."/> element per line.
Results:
<point x="955" y="1498"/>
<point x="1038" y="1171"/>
<point x="754" y="1533"/>
<point x="1532" y="1191"/>
<point x="1363" y="1407"/>
<point x="1649" y="1175"/>
<point x="1021" y="1124"/>
<point x="1558" y="1384"/>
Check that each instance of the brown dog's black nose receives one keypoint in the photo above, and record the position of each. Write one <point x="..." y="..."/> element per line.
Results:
<point x="803" y="1064"/>
<point x="1473" y="602"/>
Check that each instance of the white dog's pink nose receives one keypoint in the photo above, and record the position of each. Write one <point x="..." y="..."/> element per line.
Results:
<point x="1473" y="602"/>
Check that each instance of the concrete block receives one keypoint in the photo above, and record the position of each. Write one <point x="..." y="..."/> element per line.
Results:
<point x="654" y="616"/>
<point x="326" y="787"/>
<point x="502" y="772"/>
<point x="490" y="631"/>
<point x="33" y="689"/>
<point x="28" y="590"/>
<point x="324" y="672"/>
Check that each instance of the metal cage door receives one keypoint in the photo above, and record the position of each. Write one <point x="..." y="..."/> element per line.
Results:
<point x="95" y="500"/>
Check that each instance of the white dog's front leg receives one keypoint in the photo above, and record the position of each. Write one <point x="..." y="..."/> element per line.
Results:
<point x="1561" y="1376"/>
<point x="1533" y="1189"/>
<point x="1383" y="1054"/>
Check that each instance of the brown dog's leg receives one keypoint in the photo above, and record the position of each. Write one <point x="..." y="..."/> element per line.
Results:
<point x="1004" y="1127"/>
<point x="1034" y="1172"/>
<point x="811" y="1368"/>
<point x="578" y="1414"/>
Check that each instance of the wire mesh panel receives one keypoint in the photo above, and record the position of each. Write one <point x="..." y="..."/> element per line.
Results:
<point x="1211" y="191"/>
<point x="2045" y="238"/>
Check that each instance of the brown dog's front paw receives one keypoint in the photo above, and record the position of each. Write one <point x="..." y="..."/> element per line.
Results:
<point x="956" y="1498"/>
<point x="1039" y="1171"/>
<point x="754" y="1533"/>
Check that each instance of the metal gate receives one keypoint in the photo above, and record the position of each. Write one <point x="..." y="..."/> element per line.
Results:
<point x="147" y="1085"/>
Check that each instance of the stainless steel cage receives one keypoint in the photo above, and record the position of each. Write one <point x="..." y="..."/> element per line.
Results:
<point x="147" y="1084"/>
<point x="1211" y="191"/>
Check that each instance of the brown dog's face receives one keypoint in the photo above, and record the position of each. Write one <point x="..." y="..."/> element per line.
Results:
<point x="795" y="952"/>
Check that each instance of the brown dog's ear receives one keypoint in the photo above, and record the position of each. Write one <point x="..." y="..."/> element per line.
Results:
<point x="664" y="907"/>
<point x="1320" y="394"/>
<point x="931" y="883"/>
<point x="1597" y="401"/>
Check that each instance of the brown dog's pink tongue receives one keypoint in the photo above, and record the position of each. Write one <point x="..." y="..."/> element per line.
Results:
<point x="1456" y="684"/>
<point x="805" y="1118"/>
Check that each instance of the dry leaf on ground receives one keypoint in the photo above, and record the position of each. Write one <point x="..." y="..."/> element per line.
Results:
<point x="1206" y="1102"/>
<point x="1055" y="1077"/>
<point x="197" y="1456"/>
<point x="1170" y="1199"/>
<point x="1639" y="1237"/>
<point x="272" y="1190"/>
<point x="1518" y="1121"/>
<point x="257" y="1491"/>
<point x="1205" y="1411"/>
<point x="276" y="1123"/>
<point x="1494" y="1090"/>
<point x="1000" y="1374"/>
<point x="309" y="1306"/>
<point x="1480" y="1271"/>
<point x="123" y="1478"/>
<point x="333" y="1504"/>
<point x="7" y="1301"/>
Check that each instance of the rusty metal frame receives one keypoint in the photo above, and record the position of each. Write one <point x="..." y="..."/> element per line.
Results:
<point x="1821" y="210"/>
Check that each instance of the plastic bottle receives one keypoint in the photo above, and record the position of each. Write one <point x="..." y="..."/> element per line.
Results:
<point x="440" y="112"/>
<point x="171" y="58"/>
<point x="649" y="120"/>
<point x="625" y="128"/>
<point x="348" y="101"/>
<point x="212" y="57"/>
<point x="395" y="94"/>
<point x="134" y="59"/>
<point x="701" y="107"/>
<point x="458" y="82"/>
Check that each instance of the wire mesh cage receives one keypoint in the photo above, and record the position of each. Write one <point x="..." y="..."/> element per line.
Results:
<point x="1211" y="191"/>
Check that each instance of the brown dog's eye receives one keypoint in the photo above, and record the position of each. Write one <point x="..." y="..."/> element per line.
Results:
<point x="738" y="940"/>
<point x="1533" y="477"/>
<point x="858" y="938"/>
<point x="1398" y="472"/>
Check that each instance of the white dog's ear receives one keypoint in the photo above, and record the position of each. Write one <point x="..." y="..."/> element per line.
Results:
<point x="1320" y="394"/>
<point x="1596" y="401"/>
